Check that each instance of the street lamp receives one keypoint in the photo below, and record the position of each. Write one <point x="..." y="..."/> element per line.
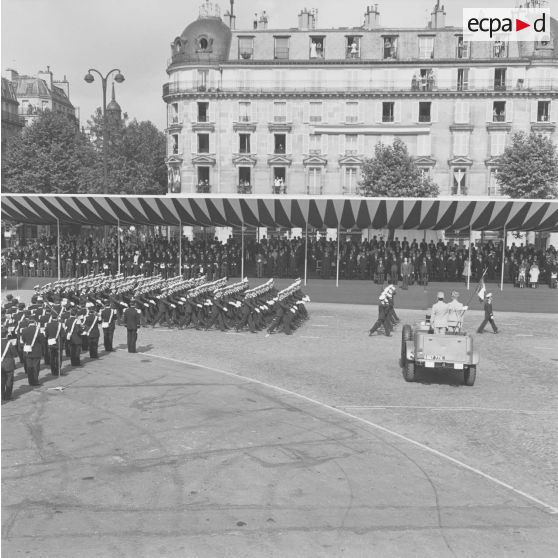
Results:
<point x="119" y="78"/>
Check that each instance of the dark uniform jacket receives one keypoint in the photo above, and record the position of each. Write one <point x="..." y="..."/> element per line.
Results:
<point x="131" y="318"/>
<point x="8" y="362"/>
<point x="27" y="336"/>
<point x="75" y="330"/>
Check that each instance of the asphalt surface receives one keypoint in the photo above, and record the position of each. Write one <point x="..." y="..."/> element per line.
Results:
<point x="210" y="444"/>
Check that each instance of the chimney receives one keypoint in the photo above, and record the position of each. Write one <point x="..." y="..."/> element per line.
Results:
<point x="10" y="75"/>
<point x="230" y="18"/>
<point x="438" y="19"/>
<point x="372" y="17"/>
<point x="47" y="76"/>
<point x="303" y="19"/>
<point x="64" y="85"/>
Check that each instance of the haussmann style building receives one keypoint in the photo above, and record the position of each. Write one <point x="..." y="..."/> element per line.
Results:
<point x="294" y="111"/>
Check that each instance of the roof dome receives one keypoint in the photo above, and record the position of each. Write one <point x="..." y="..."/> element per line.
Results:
<point x="208" y="39"/>
<point x="113" y="106"/>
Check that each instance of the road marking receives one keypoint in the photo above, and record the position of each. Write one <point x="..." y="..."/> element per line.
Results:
<point x="545" y="348"/>
<point x="549" y="508"/>
<point x="488" y="409"/>
<point x="524" y="335"/>
<point x="318" y="325"/>
<point x="308" y="337"/>
<point x="325" y="316"/>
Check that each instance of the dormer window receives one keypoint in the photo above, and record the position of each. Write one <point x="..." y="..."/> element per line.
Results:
<point x="352" y="48"/>
<point x="204" y="44"/>
<point x="317" y="47"/>
<point x="177" y="45"/>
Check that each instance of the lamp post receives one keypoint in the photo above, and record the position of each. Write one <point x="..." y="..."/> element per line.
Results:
<point x="119" y="78"/>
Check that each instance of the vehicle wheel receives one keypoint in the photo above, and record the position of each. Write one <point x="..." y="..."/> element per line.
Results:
<point x="470" y="375"/>
<point x="406" y="335"/>
<point x="409" y="371"/>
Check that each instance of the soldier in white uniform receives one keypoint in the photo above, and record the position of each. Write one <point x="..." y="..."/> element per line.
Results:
<point x="456" y="310"/>
<point x="439" y="315"/>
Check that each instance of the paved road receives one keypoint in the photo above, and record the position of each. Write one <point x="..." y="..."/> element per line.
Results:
<point x="209" y="444"/>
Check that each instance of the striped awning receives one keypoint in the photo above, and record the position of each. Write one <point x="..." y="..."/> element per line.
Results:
<point x="286" y="211"/>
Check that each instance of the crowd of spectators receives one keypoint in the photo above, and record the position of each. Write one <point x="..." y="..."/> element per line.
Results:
<point x="410" y="262"/>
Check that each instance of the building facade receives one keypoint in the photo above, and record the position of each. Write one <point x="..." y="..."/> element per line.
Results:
<point x="12" y="122"/>
<point x="36" y="94"/>
<point x="295" y="111"/>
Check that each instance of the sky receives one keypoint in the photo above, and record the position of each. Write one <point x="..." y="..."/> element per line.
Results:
<point x="72" y="36"/>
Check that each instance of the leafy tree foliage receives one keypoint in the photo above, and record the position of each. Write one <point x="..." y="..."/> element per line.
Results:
<point x="529" y="167"/>
<point x="392" y="172"/>
<point x="51" y="156"/>
<point x="136" y="155"/>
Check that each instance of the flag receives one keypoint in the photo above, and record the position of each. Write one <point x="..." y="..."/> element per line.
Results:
<point x="481" y="290"/>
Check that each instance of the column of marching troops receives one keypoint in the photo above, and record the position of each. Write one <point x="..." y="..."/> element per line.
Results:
<point x="68" y="316"/>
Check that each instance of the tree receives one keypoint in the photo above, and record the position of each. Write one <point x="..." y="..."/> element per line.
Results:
<point x="136" y="155"/>
<point x="51" y="156"/>
<point x="392" y="172"/>
<point x="529" y="167"/>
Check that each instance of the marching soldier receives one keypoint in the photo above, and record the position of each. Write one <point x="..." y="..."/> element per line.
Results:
<point x="74" y="336"/>
<point x="131" y="319"/>
<point x="383" y="318"/>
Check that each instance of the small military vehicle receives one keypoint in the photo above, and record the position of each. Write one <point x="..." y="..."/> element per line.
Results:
<point x="421" y="348"/>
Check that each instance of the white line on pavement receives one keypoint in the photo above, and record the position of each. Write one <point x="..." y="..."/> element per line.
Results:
<point x="524" y="335"/>
<point x="308" y="337"/>
<point x="325" y="316"/>
<point x="488" y="409"/>
<point x="318" y="325"/>
<point x="549" y="508"/>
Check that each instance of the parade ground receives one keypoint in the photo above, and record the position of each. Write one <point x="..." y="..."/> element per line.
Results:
<point x="211" y="444"/>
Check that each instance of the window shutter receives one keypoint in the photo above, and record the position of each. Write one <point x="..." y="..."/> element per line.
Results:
<point x="362" y="111"/>
<point x="342" y="144"/>
<point x="458" y="112"/>
<point x="254" y="143"/>
<point x="306" y="112"/>
<point x="378" y="111"/>
<point x="289" y="146"/>
<point x="270" y="144"/>
<point x="289" y="112"/>
<point x="489" y="110"/>
<point x="415" y="112"/>
<point x="534" y="110"/>
<point x="271" y="111"/>
<point x="360" y="144"/>
<point x="305" y="144"/>
<point x="193" y="111"/>
<point x="325" y="139"/>
<point x="397" y="111"/>
<point x="552" y="111"/>
<point x="509" y="111"/>
<point x="210" y="112"/>
<point x="465" y="108"/>
<point x="434" y="111"/>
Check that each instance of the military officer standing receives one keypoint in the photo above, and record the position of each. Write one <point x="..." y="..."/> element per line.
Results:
<point x="91" y="329"/>
<point x="108" y="320"/>
<point x="53" y="334"/>
<point x="131" y="319"/>
<point x="9" y="354"/>
<point x="74" y="336"/>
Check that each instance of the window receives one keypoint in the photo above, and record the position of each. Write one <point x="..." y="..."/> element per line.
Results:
<point x="281" y="48"/>
<point x="461" y="144"/>
<point x="351" y="144"/>
<point x="280" y="111"/>
<point x="462" y="111"/>
<point x="315" y="144"/>
<point x="317" y="47"/>
<point x="202" y="79"/>
<point x="352" y="47"/>
<point x="245" y="48"/>
<point x="244" y="180"/>
<point x="462" y="79"/>
<point x="316" y="109"/>
<point x="203" y="143"/>
<point x="173" y="114"/>
<point x="280" y="140"/>
<point x="459" y="182"/>
<point x="500" y="49"/>
<point x="351" y="112"/>
<point x="390" y="48"/>
<point x="426" y="48"/>
<point x="425" y="173"/>
<point x="203" y="111"/>
<point x="499" y="111"/>
<point x="425" y="108"/>
<point x="279" y="180"/>
<point x="244" y="146"/>
<point x="426" y="79"/>
<point x="203" y="180"/>
<point x="244" y="110"/>
<point x="388" y="111"/>
<point x="203" y="44"/>
<point x="493" y="185"/>
<point x="462" y="50"/>
<point x="314" y="181"/>
<point x="543" y="111"/>
<point x="500" y="79"/>
<point x="175" y="144"/>
<point x="497" y="143"/>
<point x="350" y="185"/>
